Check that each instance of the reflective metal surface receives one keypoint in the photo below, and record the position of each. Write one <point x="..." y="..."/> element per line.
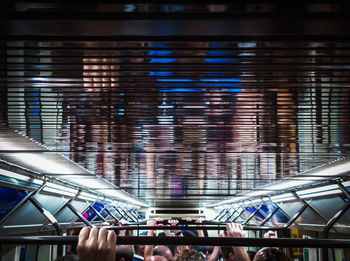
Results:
<point x="181" y="122"/>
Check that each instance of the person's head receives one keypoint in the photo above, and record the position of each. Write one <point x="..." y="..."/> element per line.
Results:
<point x="189" y="255"/>
<point x="139" y="249"/>
<point x="227" y="253"/>
<point x="156" y="258"/>
<point x="271" y="254"/>
<point x="163" y="251"/>
<point x="68" y="257"/>
<point x="124" y="254"/>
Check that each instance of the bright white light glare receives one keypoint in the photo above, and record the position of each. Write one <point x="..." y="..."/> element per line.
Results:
<point x="87" y="196"/>
<point x="42" y="163"/>
<point x="59" y="189"/>
<point x="5" y="144"/>
<point x="322" y="193"/>
<point x="120" y="195"/>
<point x="283" y="197"/>
<point x="317" y="190"/>
<point x="333" y="169"/>
<point x="20" y="177"/>
<point x="90" y="182"/>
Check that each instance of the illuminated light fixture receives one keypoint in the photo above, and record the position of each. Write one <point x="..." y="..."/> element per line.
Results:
<point x="60" y="189"/>
<point x="122" y="196"/>
<point x="87" y="196"/>
<point x="42" y="163"/>
<point x="283" y="197"/>
<point x="334" y="168"/>
<point x="90" y="182"/>
<point x="5" y="144"/>
<point x="20" y="177"/>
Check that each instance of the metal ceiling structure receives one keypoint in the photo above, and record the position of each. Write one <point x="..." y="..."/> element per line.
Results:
<point x="181" y="105"/>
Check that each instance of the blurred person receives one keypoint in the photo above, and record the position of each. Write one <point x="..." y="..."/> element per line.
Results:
<point x="124" y="253"/>
<point x="157" y="253"/>
<point x="271" y="254"/>
<point x="139" y="252"/>
<point x="189" y="255"/>
<point x="235" y="253"/>
<point x="163" y="251"/>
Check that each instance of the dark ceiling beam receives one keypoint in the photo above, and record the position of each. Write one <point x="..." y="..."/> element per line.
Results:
<point x="187" y="28"/>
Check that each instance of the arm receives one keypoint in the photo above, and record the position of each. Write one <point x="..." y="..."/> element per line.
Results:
<point x="149" y="248"/>
<point x="200" y="231"/>
<point x="96" y="244"/>
<point x="174" y="222"/>
<point x="215" y="254"/>
<point x="236" y="230"/>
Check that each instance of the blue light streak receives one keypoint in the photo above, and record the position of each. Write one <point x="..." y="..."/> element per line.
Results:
<point x="220" y="85"/>
<point x="181" y="90"/>
<point x="174" y="80"/>
<point x="160" y="73"/>
<point x="220" y="60"/>
<point x="162" y="60"/>
<point x="221" y="80"/>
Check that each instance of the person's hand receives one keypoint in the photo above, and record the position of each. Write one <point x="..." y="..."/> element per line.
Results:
<point x="198" y="221"/>
<point x="234" y="230"/>
<point x="159" y="220"/>
<point x="96" y="244"/>
<point x="151" y="223"/>
<point x="188" y="219"/>
<point x="174" y="222"/>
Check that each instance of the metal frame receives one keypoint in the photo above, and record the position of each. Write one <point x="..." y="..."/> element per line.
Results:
<point x="339" y="214"/>
<point x="305" y="204"/>
<point x="20" y="204"/>
<point x="203" y="241"/>
<point x="79" y="215"/>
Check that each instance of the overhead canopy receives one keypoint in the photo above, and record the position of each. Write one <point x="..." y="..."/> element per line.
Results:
<point x="181" y="105"/>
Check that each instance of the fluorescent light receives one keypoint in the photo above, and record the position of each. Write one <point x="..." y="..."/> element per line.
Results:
<point x="87" y="196"/>
<point x="122" y="196"/>
<point x="59" y="189"/>
<point x="90" y="182"/>
<point x="336" y="168"/>
<point x="42" y="163"/>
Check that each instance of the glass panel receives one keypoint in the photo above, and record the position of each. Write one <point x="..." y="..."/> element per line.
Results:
<point x="26" y="215"/>
<point x="278" y="218"/>
<point x="328" y="207"/>
<point x="291" y="208"/>
<point x="309" y="217"/>
<point x="9" y="198"/>
<point x="67" y="216"/>
<point x="50" y="203"/>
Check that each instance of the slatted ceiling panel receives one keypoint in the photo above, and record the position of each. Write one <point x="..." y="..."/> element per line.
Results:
<point x="180" y="104"/>
<point x="183" y="123"/>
